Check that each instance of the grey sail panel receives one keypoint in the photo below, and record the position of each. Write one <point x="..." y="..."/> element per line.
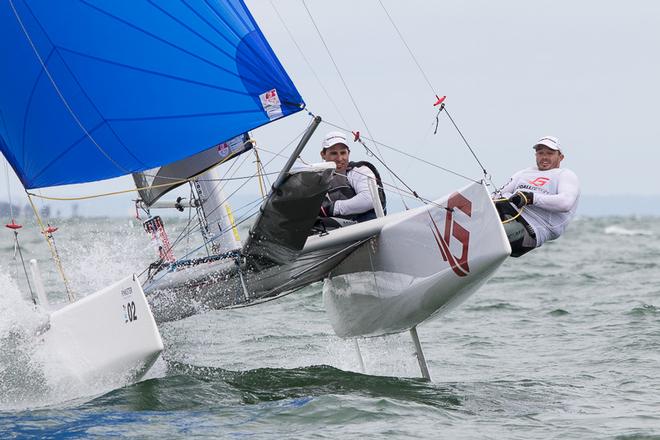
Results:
<point x="153" y="184"/>
<point x="288" y="214"/>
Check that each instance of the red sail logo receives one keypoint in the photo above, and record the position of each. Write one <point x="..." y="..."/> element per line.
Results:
<point x="453" y="229"/>
<point x="539" y="181"/>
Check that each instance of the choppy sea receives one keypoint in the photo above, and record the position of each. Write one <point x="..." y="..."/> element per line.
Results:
<point x="562" y="343"/>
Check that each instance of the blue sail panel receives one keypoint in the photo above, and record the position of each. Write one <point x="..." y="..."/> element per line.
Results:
<point x="91" y="90"/>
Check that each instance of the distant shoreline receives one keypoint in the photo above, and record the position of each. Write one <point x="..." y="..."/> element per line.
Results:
<point x="590" y="206"/>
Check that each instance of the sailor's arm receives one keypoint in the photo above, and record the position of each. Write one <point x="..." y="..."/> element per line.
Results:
<point x="510" y="187"/>
<point x="362" y="201"/>
<point x="568" y="191"/>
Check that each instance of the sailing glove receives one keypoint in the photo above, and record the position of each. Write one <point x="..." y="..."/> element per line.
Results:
<point x="327" y="208"/>
<point x="522" y="198"/>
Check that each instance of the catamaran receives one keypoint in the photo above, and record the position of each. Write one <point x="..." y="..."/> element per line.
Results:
<point x="168" y="92"/>
<point x="379" y="277"/>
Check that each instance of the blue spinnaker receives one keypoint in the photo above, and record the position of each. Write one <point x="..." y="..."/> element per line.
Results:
<point x="91" y="90"/>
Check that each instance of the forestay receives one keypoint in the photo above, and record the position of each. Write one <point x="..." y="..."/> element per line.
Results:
<point x="93" y="90"/>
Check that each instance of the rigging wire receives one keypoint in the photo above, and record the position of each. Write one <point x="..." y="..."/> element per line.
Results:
<point x="240" y="219"/>
<point x="246" y="217"/>
<point x="262" y="300"/>
<point x="190" y="217"/>
<point x="407" y="193"/>
<point x="160" y="185"/>
<point x="309" y="65"/>
<point x="186" y="231"/>
<point x="205" y="243"/>
<point x="254" y="175"/>
<point x="428" y="81"/>
<point x="198" y="227"/>
<point x="412" y="55"/>
<point x="27" y="278"/>
<point x="348" y="90"/>
<point x="465" y="141"/>
<point x="265" y="296"/>
<point x="366" y="126"/>
<point x="14" y="227"/>
<point x="217" y="187"/>
<point x="407" y="154"/>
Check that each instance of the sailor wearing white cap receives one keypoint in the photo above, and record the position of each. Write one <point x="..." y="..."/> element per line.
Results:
<point x="547" y="195"/>
<point x="349" y="196"/>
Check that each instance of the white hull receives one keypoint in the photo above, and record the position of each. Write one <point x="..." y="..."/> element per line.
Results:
<point x="110" y="335"/>
<point x="381" y="276"/>
<point x="400" y="277"/>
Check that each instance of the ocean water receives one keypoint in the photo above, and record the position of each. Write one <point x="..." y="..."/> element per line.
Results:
<point x="562" y="343"/>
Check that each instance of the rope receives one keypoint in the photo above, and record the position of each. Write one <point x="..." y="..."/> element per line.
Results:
<point x="245" y="183"/>
<point x="206" y="243"/>
<point x="174" y="181"/>
<point x="187" y="231"/>
<point x="203" y="221"/>
<point x="520" y="211"/>
<point x="53" y="250"/>
<point x="260" y="171"/>
<point x="240" y="221"/>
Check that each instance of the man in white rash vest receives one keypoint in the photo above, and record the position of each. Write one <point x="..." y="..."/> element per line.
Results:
<point x="546" y="195"/>
<point x="349" y="196"/>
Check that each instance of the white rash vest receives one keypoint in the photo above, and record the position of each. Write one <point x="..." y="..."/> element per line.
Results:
<point x="556" y="194"/>
<point x="361" y="202"/>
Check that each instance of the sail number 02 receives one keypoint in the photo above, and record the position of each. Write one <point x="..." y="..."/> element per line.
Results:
<point x="131" y="315"/>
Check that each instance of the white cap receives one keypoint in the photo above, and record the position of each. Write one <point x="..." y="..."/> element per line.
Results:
<point x="334" y="138"/>
<point x="550" y="142"/>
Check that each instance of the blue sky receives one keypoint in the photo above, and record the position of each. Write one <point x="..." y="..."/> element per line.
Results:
<point x="513" y="71"/>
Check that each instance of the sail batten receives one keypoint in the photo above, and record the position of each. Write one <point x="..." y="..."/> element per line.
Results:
<point x="91" y="91"/>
